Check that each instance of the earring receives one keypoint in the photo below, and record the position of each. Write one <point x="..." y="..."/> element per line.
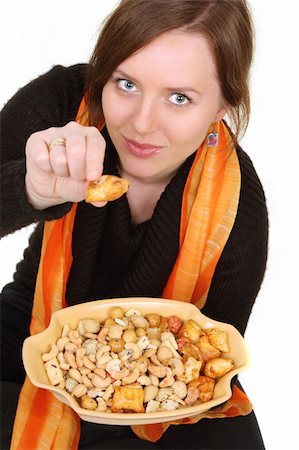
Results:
<point x="213" y="138"/>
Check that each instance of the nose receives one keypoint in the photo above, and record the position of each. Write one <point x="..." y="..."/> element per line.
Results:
<point x="144" y="118"/>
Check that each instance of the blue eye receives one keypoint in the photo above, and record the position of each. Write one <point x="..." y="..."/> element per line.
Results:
<point x="126" y="85"/>
<point x="179" y="99"/>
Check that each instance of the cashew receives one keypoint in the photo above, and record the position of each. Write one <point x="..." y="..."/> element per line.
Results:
<point x="75" y="337"/>
<point x="144" y="380"/>
<point x="62" y="362"/>
<point x="101" y="362"/>
<point x="79" y="357"/>
<point x="79" y="390"/>
<point x="65" y="330"/>
<point x="150" y="393"/>
<point x="84" y="370"/>
<point x="102" y="335"/>
<point x="177" y="366"/>
<point x="100" y="382"/>
<point x="90" y="335"/>
<point x="70" y="359"/>
<point x="164" y="353"/>
<point x="75" y="374"/>
<point x="120" y="374"/>
<point x="154" y="379"/>
<point x="103" y="349"/>
<point x="61" y="385"/>
<point x="167" y="343"/>
<point x="150" y="352"/>
<point x="143" y="365"/>
<point x="155" y="360"/>
<point x="101" y="372"/>
<point x="61" y="343"/>
<point x="109" y="391"/>
<point x="192" y="395"/>
<point x="102" y="407"/>
<point x="168" y="336"/>
<point x="95" y="392"/>
<point x="131" y="365"/>
<point x="131" y="378"/>
<point x="87" y="363"/>
<point x="52" y="353"/>
<point x="159" y="371"/>
<point x="70" y="347"/>
<point x="168" y="380"/>
<point x="87" y="381"/>
<point x="134" y="349"/>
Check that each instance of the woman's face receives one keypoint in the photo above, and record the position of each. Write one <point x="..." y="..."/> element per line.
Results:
<point x="159" y="104"/>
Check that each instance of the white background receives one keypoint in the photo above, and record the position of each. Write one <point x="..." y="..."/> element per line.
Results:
<point x="36" y="35"/>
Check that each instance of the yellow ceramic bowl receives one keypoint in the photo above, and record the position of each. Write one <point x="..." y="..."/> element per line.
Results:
<point x="35" y="345"/>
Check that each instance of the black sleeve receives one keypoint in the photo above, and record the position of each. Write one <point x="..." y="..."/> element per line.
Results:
<point x="51" y="100"/>
<point x="241" y="268"/>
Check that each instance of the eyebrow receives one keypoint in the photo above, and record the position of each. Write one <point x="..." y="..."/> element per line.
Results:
<point x="170" y="89"/>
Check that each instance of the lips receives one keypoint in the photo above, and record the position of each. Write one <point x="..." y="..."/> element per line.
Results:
<point x="142" y="150"/>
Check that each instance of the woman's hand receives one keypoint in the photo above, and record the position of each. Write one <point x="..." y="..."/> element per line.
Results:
<point x="60" y="173"/>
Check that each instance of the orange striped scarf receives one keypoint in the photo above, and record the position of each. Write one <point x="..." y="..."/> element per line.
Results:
<point x="209" y="208"/>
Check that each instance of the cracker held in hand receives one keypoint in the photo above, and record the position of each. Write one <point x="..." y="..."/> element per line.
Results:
<point x="106" y="189"/>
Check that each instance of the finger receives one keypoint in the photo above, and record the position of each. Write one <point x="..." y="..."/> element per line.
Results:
<point x="95" y="152"/>
<point x="70" y="189"/>
<point x="98" y="204"/>
<point x="58" y="160"/>
<point x="76" y="155"/>
<point x="37" y="152"/>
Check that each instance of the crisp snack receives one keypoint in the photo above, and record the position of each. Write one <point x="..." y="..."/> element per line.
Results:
<point x="128" y="398"/>
<point x="106" y="189"/>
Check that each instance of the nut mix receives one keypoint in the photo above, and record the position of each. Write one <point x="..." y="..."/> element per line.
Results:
<point x="136" y="363"/>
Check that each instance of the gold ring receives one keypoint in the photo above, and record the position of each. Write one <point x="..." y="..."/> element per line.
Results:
<point x="55" y="142"/>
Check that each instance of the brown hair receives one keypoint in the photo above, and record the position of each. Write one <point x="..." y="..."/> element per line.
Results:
<point x="134" y="24"/>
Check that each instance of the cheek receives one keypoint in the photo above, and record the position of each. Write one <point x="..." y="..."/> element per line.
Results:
<point x="187" y="133"/>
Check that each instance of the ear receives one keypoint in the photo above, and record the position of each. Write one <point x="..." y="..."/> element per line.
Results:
<point x="221" y="113"/>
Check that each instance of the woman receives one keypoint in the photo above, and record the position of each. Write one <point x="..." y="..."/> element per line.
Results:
<point x="148" y="107"/>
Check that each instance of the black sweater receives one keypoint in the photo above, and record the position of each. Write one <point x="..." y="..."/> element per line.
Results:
<point x="111" y="257"/>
